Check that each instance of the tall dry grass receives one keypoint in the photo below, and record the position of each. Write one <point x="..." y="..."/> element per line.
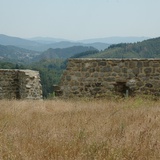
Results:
<point x="80" y="129"/>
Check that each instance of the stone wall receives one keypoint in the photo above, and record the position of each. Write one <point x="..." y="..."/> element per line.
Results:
<point x="20" y="84"/>
<point x="100" y="77"/>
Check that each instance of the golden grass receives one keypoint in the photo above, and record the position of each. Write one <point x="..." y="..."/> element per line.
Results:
<point x="80" y="129"/>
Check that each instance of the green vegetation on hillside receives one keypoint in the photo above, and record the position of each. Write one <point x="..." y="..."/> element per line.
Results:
<point x="85" y="54"/>
<point x="63" y="53"/>
<point x="146" y="49"/>
<point x="7" y="65"/>
<point x="50" y="73"/>
<point x="17" y="55"/>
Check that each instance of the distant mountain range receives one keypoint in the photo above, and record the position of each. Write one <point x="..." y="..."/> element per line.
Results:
<point x="43" y="43"/>
<point x="15" y="41"/>
<point x="47" y="40"/>
<point x="115" y="40"/>
<point x="108" y="40"/>
<point x="20" y="50"/>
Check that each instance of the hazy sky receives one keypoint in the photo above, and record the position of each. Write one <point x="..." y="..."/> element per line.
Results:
<point x="80" y="19"/>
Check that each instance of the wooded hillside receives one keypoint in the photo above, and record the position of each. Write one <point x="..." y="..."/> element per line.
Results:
<point x="146" y="49"/>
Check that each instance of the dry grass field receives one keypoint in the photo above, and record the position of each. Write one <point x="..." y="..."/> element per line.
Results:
<point x="80" y="130"/>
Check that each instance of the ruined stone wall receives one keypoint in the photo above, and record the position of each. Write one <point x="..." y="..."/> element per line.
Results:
<point x="96" y="77"/>
<point x="8" y="84"/>
<point x="20" y="84"/>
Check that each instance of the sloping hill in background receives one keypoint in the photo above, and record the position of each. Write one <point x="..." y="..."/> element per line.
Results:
<point x="15" y="41"/>
<point x="145" y="49"/>
<point x="15" y="54"/>
<point x="46" y="40"/>
<point x="115" y="40"/>
<point x="63" y="53"/>
<point x="42" y="44"/>
<point x="21" y="55"/>
<point x="67" y="44"/>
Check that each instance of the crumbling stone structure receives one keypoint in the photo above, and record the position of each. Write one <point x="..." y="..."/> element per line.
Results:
<point x="20" y="84"/>
<point x="99" y="77"/>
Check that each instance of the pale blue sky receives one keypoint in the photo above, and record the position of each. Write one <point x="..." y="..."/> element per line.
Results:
<point x="80" y="19"/>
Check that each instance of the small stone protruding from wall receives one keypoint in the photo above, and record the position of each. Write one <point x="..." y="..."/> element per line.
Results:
<point x="57" y="90"/>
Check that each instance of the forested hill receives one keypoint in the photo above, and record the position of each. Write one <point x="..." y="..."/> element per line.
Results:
<point x="63" y="53"/>
<point x="16" y="54"/>
<point x="145" y="49"/>
<point x="23" y="56"/>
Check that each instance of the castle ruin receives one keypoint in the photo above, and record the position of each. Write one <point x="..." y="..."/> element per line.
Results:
<point x="98" y="77"/>
<point x="20" y="84"/>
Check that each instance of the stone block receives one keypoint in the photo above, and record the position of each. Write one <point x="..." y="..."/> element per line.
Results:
<point x="56" y="87"/>
<point x="101" y="63"/>
<point x="146" y="64"/>
<point x="139" y="64"/>
<point x="121" y="64"/>
<point x="106" y="69"/>
<point x="68" y="78"/>
<point x="116" y="69"/>
<point x="132" y="64"/>
<point x="94" y="64"/>
<point x="136" y="71"/>
<point x="147" y="70"/>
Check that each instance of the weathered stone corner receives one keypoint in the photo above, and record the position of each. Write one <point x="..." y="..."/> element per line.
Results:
<point x="20" y="84"/>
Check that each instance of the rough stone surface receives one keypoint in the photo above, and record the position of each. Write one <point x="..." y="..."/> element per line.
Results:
<point x="20" y="84"/>
<point x="96" y="77"/>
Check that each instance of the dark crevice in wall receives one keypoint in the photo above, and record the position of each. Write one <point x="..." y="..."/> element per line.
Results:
<point x="123" y="90"/>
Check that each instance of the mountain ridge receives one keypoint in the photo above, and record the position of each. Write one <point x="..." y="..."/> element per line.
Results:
<point x="63" y="53"/>
<point x="146" y="49"/>
<point x="44" y="43"/>
<point x="116" y="39"/>
<point x="21" y="55"/>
